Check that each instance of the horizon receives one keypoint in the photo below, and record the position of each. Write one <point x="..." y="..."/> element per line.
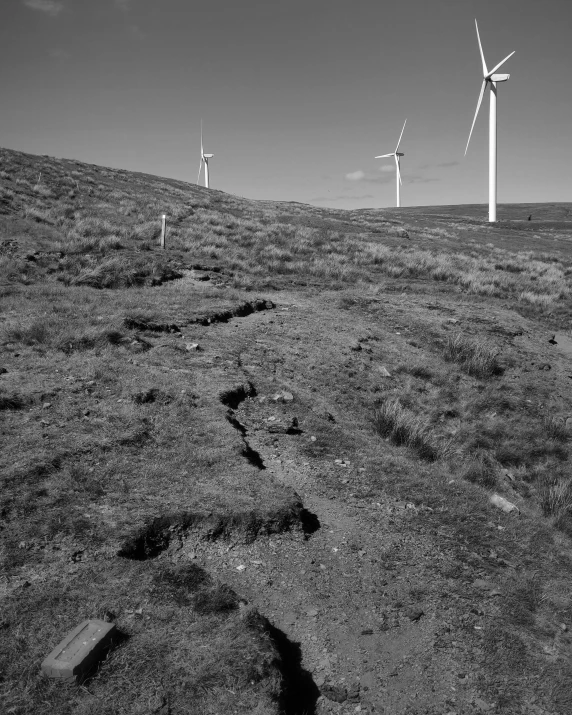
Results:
<point x="124" y="84"/>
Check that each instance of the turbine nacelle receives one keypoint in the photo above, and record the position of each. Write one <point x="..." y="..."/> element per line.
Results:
<point x="208" y="156"/>
<point x="499" y="77"/>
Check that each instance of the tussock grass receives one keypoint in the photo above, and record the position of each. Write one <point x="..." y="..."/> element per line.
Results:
<point x="482" y="469"/>
<point x="405" y="428"/>
<point x="474" y="358"/>
<point x="556" y="498"/>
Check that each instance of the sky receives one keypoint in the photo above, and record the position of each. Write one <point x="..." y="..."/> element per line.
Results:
<point x="297" y="97"/>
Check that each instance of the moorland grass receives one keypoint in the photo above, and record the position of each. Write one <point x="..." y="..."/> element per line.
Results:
<point x="405" y="428"/>
<point x="475" y="358"/>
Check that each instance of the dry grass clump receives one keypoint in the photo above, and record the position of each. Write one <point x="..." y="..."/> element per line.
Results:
<point x="556" y="498"/>
<point x="403" y="427"/>
<point x="483" y="469"/>
<point x="115" y="272"/>
<point x="475" y="358"/>
<point x="555" y="428"/>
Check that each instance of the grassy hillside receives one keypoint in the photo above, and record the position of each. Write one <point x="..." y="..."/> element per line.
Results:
<point x="267" y="452"/>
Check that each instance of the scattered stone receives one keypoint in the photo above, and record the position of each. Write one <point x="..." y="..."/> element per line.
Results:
<point x="355" y="345"/>
<point x="46" y="405"/>
<point x="481" y="704"/>
<point x="312" y="438"/>
<point x="241" y="567"/>
<point x="79" y="650"/>
<point x="336" y="693"/>
<point x="383" y="371"/>
<point x="367" y="632"/>
<point x="452" y="320"/>
<point x="545" y="366"/>
<point x="568" y="423"/>
<point x="3" y="371"/>
<point x="504" y="504"/>
<point x="312" y="612"/>
<point x="192" y="347"/>
<point x="564" y="627"/>
<point x="283" y="396"/>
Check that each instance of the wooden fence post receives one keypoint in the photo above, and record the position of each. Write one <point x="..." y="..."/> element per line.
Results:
<point x="163" y="230"/>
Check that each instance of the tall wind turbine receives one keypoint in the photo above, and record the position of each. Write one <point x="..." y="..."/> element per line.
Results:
<point x="396" y="155"/>
<point x="204" y="160"/>
<point x="492" y="79"/>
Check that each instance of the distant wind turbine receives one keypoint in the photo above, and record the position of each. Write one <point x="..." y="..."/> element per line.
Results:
<point x="204" y="160"/>
<point x="491" y="79"/>
<point x="396" y="154"/>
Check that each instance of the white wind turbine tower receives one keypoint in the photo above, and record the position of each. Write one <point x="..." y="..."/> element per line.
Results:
<point x="204" y="160"/>
<point x="490" y="78"/>
<point x="396" y="155"/>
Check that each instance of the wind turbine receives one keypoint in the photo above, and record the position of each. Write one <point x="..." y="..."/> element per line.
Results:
<point x="396" y="154"/>
<point x="492" y="79"/>
<point x="204" y="160"/>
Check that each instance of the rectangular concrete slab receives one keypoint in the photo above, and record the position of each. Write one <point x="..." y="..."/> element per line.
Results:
<point x="79" y="650"/>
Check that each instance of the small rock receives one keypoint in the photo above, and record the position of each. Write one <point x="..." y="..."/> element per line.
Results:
<point x="192" y="347"/>
<point x="453" y="321"/>
<point x="355" y="346"/>
<point x="312" y="438"/>
<point x="46" y="405"/>
<point x="564" y="627"/>
<point x="384" y="372"/>
<point x="312" y="612"/>
<point x="3" y="371"/>
<point x="367" y="632"/>
<point x="503" y="504"/>
<point x="283" y="396"/>
<point x="241" y="567"/>
<point x="545" y="366"/>
<point x="568" y="424"/>
<point x="481" y="704"/>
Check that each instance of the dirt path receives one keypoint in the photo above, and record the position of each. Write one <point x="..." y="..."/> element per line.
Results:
<point x="365" y="596"/>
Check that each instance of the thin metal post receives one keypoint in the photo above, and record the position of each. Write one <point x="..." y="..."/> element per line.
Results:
<point x="163" y="230"/>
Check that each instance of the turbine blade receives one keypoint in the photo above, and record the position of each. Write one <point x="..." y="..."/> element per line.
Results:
<point x="397" y="168"/>
<point x="202" y="152"/>
<point x="383" y="156"/>
<point x="399" y="142"/>
<point x="485" y="70"/>
<point x="200" y="169"/>
<point x="500" y="64"/>
<point x="477" y="111"/>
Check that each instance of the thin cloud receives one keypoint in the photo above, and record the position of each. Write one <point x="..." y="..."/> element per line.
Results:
<point x="415" y="179"/>
<point x="443" y="165"/>
<point x="388" y="168"/>
<point x="59" y="54"/>
<point x="356" y="175"/>
<point x="50" y="7"/>
<point x="123" y="5"/>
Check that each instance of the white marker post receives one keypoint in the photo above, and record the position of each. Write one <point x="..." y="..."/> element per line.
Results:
<point x="163" y="230"/>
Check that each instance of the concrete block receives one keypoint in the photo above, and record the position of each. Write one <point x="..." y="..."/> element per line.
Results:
<point x="79" y="650"/>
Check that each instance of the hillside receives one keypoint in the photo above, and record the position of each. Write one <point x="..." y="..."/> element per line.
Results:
<point x="267" y="452"/>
